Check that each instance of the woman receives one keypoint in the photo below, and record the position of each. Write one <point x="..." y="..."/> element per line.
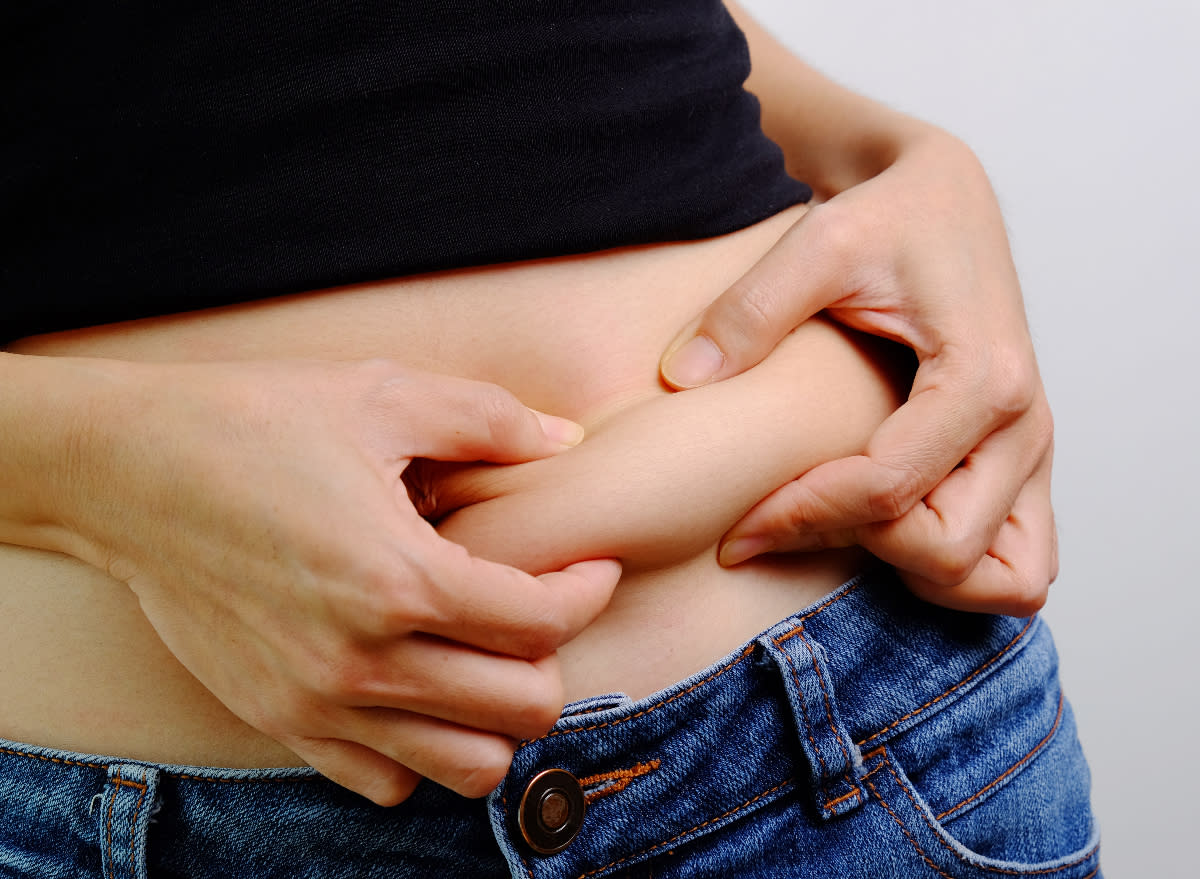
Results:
<point x="239" y="470"/>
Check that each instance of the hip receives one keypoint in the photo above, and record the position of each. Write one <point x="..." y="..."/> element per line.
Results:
<point x="867" y="735"/>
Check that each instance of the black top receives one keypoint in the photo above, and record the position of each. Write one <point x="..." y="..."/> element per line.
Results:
<point x="163" y="157"/>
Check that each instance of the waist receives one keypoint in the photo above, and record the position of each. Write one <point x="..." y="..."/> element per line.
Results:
<point x="843" y="710"/>
<point x="579" y="337"/>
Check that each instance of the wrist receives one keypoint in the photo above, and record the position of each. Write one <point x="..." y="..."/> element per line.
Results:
<point x="51" y="410"/>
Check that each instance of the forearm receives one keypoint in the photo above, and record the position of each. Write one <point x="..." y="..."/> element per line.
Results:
<point x="832" y="137"/>
<point x="46" y="404"/>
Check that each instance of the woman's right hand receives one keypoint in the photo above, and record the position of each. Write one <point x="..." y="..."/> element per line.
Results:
<point x="258" y="512"/>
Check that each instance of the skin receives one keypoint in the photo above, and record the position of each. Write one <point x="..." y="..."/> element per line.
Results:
<point x="176" y="443"/>
<point x="908" y="243"/>
<point x="226" y="475"/>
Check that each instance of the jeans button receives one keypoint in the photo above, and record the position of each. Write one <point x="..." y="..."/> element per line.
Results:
<point x="551" y="811"/>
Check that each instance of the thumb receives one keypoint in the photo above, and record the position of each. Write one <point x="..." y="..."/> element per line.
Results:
<point x="455" y="419"/>
<point x="794" y="280"/>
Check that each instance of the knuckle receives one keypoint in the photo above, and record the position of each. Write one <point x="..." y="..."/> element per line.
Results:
<point x="897" y="490"/>
<point x="754" y="314"/>
<point x="390" y="788"/>
<point x="836" y="232"/>
<point x="838" y="235"/>
<point x="285" y="713"/>
<point x="542" y="640"/>
<point x="489" y="762"/>
<point x="954" y="562"/>
<point x="1043" y="426"/>
<point x="500" y="411"/>
<point x="1013" y="386"/>
<point x="541" y="708"/>
<point x="546" y="629"/>
<point x="1026" y="596"/>
<point x="340" y="678"/>
<point x="394" y="600"/>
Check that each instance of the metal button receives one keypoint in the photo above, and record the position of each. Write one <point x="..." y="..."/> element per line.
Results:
<point x="551" y="811"/>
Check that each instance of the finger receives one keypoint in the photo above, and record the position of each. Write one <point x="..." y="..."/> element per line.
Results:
<point x="944" y="537"/>
<point x="453" y="419"/>
<point x="911" y="452"/>
<point x="443" y="679"/>
<point x="362" y="770"/>
<point x="498" y="608"/>
<point x="1015" y="574"/>
<point x="794" y="280"/>
<point x="468" y="761"/>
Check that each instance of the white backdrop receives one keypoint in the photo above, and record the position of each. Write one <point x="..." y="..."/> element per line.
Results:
<point x="1087" y="116"/>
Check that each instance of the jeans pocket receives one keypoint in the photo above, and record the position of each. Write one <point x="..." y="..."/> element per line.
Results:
<point x="995" y="782"/>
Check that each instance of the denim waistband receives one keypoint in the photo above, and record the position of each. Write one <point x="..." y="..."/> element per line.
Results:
<point x="806" y="711"/>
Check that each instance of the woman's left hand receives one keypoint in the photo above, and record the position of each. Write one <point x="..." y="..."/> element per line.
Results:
<point x="954" y="488"/>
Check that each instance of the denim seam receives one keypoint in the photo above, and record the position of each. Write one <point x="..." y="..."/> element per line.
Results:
<point x="799" y="630"/>
<point x="62" y="760"/>
<point x="12" y="752"/>
<point x="133" y="829"/>
<point x="804" y="711"/>
<point x="976" y="673"/>
<point x="504" y="807"/>
<point x="900" y="823"/>
<point x="886" y="763"/>
<point x="690" y="830"/>
<point x="837" y="733"/>
<point x="1014" y="768"/>
<point x="118" y="783"/>
<point x="820" y="608"/>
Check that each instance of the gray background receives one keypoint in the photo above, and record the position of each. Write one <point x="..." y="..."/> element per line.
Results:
<point x="1087" y="116"/>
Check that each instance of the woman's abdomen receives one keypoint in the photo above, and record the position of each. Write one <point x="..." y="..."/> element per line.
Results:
<point x="657" y="481"/>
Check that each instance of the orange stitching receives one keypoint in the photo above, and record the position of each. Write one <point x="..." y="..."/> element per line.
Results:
<point x="622" y="777"/>
<point x="904" y="830"/>
<point x="836" y="598"/>
<point x="952" y="851"/>
<point x="1012" y="768"/>
<point x="679" y="836"/>
<point x="804" y="711"/>
<point x="854" y="793"/>
<point x="121" y="782"/>
<point x="788" y="635"/>
<point x="820" y="608"/>
<point x="133" y="830"/>
<point x="654" y="707"/>
<point x="799" y="630"/>
<point x="180" y="775"/>
<point x="937" y="699"/>
<point x="828" y="707"/>
<point x="43" y="757"/>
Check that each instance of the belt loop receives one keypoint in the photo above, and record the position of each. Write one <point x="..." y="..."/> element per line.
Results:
<point x="835" y="762"/>
<point x="126" y="804"/>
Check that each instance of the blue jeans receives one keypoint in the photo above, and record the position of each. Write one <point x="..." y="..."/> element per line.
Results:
<point x="870" y="735"/>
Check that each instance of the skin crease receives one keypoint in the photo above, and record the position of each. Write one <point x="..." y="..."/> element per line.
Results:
<point x="81" y="637"/>
<point x="882" y="266"/>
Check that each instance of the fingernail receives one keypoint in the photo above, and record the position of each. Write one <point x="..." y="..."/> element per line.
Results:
<point x="694" y="364"/>
<point x="560" y="430"/>
<point x="738" y="550"/>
